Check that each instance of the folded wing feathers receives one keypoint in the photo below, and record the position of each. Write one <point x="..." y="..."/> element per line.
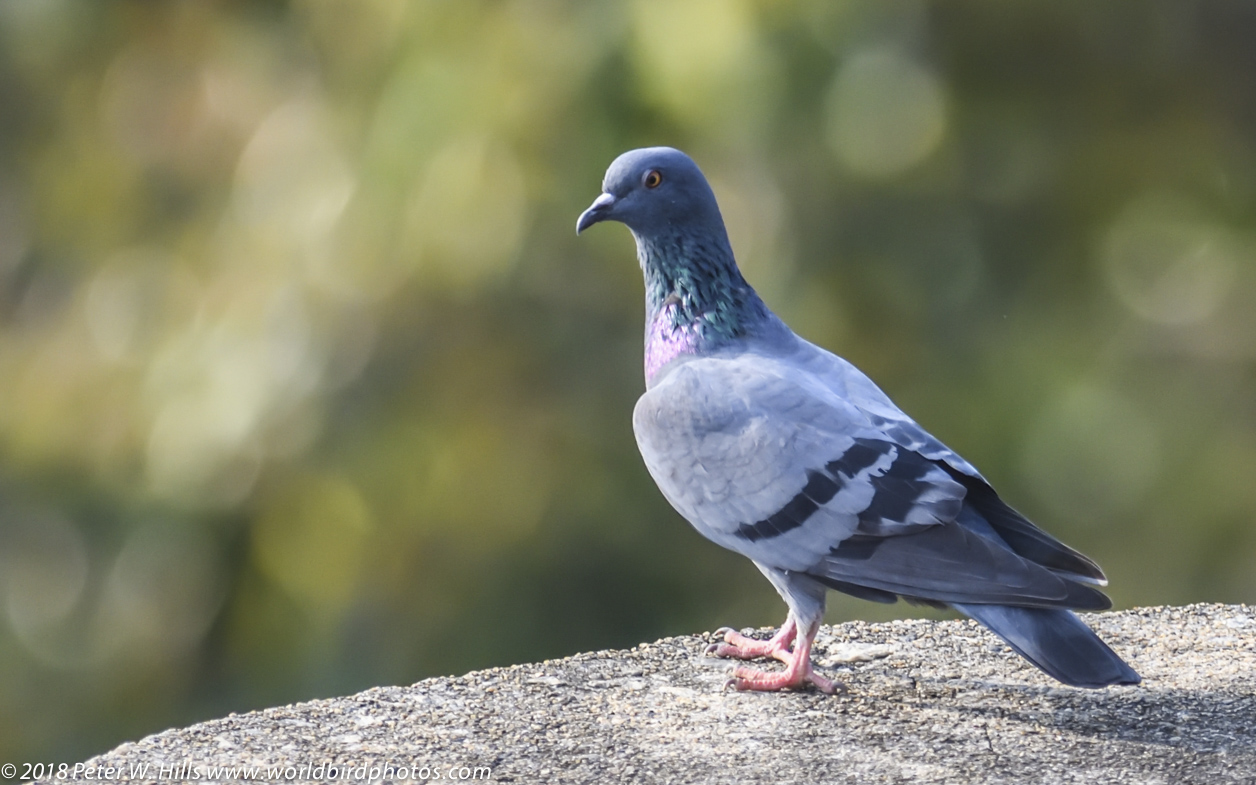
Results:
<point x="796" y="476"/>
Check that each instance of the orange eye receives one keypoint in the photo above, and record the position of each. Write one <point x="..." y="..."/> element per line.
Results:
<point x="653" y="179"/>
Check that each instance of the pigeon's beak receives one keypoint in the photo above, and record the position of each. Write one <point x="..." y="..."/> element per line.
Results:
<point x="600" y="210"/>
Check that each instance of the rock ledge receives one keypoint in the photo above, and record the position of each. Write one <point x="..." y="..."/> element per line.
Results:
<point x="929" y="702"/>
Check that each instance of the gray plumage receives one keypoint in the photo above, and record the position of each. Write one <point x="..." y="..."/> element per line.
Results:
<point x="789" y="455"/>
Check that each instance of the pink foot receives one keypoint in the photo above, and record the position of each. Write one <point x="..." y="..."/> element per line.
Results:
<point x="741" y="647"/>
<point x="794" y="677"/>
<point x="798" y="671"/>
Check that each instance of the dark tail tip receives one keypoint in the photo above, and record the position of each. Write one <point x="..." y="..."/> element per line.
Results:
<point x="1057" y="642"/>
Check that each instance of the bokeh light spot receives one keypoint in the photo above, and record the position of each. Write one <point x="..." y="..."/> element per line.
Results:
<point x="311" y="538"/>
<point x="133" y="298"/>
<point x="43" y="567"/>
<point x="152" y="104"/>
<point x="165" y="588"/>
<point x="1166" y="262"/>
<point x="467" y="216"/>
<point x="292" y="176"/>
<point x="702" y="61"/>
<point x="886" y="114"/>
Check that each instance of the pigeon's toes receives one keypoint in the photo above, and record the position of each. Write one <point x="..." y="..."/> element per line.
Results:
<point x="742" y="647"/>
<point x="796" y="676"/>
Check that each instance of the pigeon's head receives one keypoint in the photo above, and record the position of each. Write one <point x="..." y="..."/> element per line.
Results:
<point x="654" y="190"/>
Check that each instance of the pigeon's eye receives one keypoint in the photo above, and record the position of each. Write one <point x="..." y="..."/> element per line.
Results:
<point x="653" y="179"/>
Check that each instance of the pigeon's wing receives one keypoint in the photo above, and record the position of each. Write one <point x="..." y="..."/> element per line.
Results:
<point x="1014" y="529"/>
<point x="952" y="563"/>
<point x="764" y="459"/>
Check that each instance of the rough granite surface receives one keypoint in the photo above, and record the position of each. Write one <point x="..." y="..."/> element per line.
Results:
<point x="928" y="702"/>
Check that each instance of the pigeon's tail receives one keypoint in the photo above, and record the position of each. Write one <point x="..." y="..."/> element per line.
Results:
<point x="1056" y="641"/>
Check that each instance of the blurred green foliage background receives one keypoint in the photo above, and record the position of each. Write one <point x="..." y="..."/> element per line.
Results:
<point x="307" y="385"/>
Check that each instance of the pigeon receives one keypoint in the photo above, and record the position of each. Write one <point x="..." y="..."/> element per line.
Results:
<point x="789" y="455"/>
